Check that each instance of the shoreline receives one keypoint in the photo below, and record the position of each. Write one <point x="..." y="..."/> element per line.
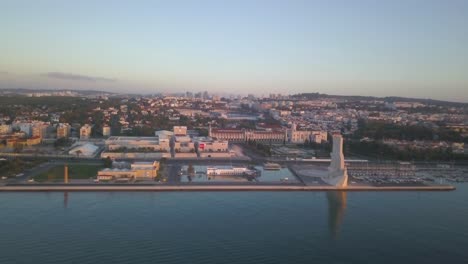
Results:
<point x="171" y="188"/>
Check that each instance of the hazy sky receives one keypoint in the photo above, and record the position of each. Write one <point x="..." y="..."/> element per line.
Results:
<point x="403" y="48"/>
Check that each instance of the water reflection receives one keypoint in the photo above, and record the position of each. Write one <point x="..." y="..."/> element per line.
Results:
<point x="65" y="200"/>
<point x="336" y="211"/>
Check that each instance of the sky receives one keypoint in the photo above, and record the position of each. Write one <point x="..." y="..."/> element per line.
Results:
<point x="410" y="48"/>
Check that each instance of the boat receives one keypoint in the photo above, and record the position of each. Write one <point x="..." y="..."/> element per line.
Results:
<point x="271" y="166"/>
<point x="229" y="171"/>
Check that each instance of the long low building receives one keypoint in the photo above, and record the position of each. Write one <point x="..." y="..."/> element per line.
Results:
<point x="229" y="171"/>
<point x="269" y="135"/>
<point x="243" y="135"/>
<point x="117" y="143"/>
<point x="207" y="144"/>
<point x="137" y="170"/>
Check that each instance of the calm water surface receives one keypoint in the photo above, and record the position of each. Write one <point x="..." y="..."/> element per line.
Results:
<point x="267" y="176"/>
<point x="235" y="227"/>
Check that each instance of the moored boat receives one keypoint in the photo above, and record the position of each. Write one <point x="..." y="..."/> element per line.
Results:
<point x="271" y="166"/>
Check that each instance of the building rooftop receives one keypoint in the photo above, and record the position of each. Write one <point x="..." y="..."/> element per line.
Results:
<point x="117" y="138"/>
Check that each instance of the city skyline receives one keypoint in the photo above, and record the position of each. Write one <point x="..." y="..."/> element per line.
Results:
<point x="408" y="49"/>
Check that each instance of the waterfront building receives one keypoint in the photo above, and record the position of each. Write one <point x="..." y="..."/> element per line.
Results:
<point x="137" y="171"/>
<point x="144" y="170"/>
<point x="114" y="173"/>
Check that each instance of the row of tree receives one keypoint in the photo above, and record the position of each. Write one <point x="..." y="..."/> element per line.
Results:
<point x="379" y="150"/>
<point x="260" y="147"/>
<point x="379" y="130"/>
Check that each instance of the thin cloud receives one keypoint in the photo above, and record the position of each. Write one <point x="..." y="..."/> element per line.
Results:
<point x="3" y="72"/>
<point x="77" y="77"/>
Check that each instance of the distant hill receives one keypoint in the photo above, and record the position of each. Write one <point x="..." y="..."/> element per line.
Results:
<point x="390" y="99"/>
<point x="24" y="91"/>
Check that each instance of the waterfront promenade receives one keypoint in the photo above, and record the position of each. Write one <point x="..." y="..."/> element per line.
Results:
<point x="162" y="188"/>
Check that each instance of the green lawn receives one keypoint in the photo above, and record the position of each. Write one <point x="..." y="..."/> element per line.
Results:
<point x="75" y="171"/>
<point x="10" y="168"/>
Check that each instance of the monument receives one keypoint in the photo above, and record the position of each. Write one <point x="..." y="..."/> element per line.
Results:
<point x="337" y="173"/>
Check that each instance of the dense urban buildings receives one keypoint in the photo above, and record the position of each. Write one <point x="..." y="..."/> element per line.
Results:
<point x="197" y="123"/>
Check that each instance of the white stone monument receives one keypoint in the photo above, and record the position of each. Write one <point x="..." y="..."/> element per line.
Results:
<point x="337" y="173"/>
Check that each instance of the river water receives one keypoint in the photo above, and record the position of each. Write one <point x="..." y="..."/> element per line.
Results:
<point x="234" y="227"/>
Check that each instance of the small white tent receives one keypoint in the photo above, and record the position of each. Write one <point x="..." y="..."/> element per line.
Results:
<point x="85" y="150"/>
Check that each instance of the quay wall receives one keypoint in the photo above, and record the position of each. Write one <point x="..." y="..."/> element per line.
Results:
<point x="103" y="187"/>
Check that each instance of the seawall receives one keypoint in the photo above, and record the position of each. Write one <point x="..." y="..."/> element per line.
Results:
<point x="162" y="188"/>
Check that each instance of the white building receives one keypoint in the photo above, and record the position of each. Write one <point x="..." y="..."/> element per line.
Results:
<point x="207" y="144"/>
<point x="238" y="171"/>
<point x="137" y="170"/>
<point x="300" y="136"/>
<point x="183" y="144"/>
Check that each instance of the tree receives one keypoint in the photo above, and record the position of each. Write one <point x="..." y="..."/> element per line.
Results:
<point x="61" y="142"/>
<point x="107" y="162"/>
